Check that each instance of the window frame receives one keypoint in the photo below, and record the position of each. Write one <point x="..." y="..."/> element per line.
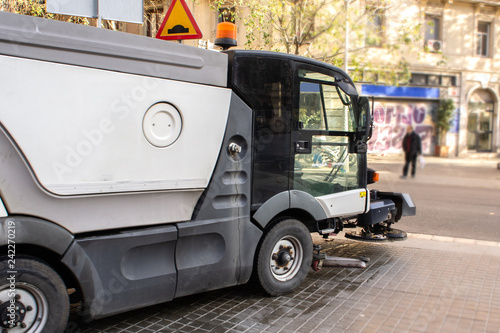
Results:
<point x="374" y="34"/>
<point x="483" y="48"/>
<point x="153" y="19"/>
<point x="226" y="14"/>
<point x="324" y="113"/>
<point x="437" y="34"/>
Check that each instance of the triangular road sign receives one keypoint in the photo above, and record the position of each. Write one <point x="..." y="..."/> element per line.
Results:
<point x="179" y="23"/>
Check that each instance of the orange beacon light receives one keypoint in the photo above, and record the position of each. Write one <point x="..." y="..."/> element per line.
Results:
<point x="225" y="35"/>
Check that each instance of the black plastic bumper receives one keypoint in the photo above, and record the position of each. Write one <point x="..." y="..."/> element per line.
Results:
<point x="386" y="206"/>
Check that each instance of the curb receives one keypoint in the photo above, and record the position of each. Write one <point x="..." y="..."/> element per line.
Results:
<point x="455" y="240"/>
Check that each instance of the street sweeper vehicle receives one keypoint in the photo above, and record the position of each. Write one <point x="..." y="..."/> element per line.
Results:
<point x="134" y="171"/>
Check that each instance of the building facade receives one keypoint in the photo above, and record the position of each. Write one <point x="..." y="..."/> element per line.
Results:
<point x="458" y="59"/>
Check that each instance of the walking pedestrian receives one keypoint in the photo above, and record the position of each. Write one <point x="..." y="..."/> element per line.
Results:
<point x="412" y="146"/>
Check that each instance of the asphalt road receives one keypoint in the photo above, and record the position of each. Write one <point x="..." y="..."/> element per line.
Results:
<point x="454" y="197"/>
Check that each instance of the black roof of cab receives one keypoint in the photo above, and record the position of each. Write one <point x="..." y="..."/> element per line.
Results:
<point x="290" y="57"/>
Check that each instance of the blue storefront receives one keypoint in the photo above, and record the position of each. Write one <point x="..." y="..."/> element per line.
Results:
<point x="397" y="107"/>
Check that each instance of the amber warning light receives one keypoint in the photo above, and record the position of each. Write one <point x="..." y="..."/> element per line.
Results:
<point x="225" y="36"/>
<point x="372" y="176"/>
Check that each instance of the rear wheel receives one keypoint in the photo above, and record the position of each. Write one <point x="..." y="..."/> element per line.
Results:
<point x="284" y="257"/>
<point x="34" y="299"/>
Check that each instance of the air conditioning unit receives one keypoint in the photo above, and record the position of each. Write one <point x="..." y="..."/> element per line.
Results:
<point x="434" y="45"/>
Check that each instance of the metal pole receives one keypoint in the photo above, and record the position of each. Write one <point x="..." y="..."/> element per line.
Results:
<point x="346" y="57"/>
<point x="99" y="22"/>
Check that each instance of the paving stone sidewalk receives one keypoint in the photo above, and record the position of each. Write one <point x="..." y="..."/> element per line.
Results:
<point x="423" y="286"/>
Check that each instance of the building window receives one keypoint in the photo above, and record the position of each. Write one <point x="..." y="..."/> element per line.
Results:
<point x="480" y="121"/>
<point x="433" y="33"/>
<point x="483" y="39"/>
<point x="418" y="79"/>
<point x="448" y="81"/>
<point x="430" y="80"/>
<point x="480" y="127"/>
<point x="226" y="14"/>
<point x="432" y="28"/>
<point x="154" y="18"/>
<point x="375" y="29"/>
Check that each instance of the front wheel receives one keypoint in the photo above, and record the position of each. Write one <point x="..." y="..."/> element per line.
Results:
<point x="33" y="298"/>
<point x="284" y="257"/>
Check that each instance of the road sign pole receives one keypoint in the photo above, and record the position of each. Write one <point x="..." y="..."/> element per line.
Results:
<point x="99" y="21"/>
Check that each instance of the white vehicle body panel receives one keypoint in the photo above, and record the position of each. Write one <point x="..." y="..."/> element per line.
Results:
<point x="348" y="203"/>
<point x="81" y="129"/>
<point x="3" y="211"/>
<point x="77" y="214"/>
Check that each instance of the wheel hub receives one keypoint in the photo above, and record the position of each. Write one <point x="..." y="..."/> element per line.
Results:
<point x="13" y="313"/>
<point x="27" y="311"/>
<point x="283" y="257"/>
<point x="286" y="258"/>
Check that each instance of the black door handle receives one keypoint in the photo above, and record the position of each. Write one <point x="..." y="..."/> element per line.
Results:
<point x="302" y="147"/>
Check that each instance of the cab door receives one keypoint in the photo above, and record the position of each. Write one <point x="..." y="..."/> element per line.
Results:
<point x="322" y="139"/>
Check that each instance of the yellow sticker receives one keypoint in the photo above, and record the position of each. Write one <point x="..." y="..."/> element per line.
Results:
<point x="362" y="194"/>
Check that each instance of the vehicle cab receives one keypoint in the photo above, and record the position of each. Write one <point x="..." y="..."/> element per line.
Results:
<point x="309" y="133"/>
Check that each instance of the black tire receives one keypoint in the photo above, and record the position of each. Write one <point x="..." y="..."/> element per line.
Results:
<point x="284" y="257"/>
<point x="42" y="302"/>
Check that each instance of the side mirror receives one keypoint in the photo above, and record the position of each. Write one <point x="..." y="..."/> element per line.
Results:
<point x="365" y="117"/>
<point x="370" y="120"/>
<point x="364" y="127"/>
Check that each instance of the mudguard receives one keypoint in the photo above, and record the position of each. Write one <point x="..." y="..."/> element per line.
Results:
<point x="289" y="200"/>
<point x="34" y="231"/>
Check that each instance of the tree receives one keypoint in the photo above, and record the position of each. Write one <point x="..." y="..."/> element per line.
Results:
<point x="317" y="28"/>
<point x="298" y="23"/>
<point x="444" y="115"/>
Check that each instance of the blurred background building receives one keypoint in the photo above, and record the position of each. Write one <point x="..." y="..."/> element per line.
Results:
<point x="409" y="54"/>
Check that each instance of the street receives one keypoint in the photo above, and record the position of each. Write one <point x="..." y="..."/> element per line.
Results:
<point x="454" y="197"/>
<point x="428" y="283"/>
